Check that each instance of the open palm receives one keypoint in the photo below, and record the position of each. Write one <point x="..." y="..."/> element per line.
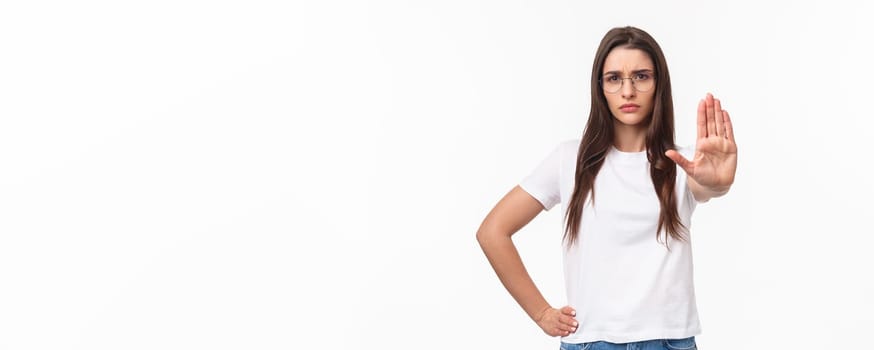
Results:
<point x="715" y="160"/>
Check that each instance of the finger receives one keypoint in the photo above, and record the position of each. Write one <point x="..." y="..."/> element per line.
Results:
<point x="729" y="130"/>
<point x="567" y="327"/>
<point x="702" y="120"/>
<point x="717" y="109"/>
<point x="567" y="310"/>
<point x="680" y="160"/>
<point x="559" y="331"/>
<point x="711" y="119"/>
<point x="568" y="321"/>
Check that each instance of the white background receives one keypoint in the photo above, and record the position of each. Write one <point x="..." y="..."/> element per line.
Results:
<point x="274" y="175"/>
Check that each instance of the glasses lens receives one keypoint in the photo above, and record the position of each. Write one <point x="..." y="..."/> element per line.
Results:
<point x="611" y="83"/>
<point x="643" y="82"/>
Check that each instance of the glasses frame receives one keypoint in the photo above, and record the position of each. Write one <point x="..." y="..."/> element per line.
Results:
<point x="633" y="85"/>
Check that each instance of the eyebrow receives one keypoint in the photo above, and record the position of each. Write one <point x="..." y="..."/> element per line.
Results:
<point x="632" y="72"/>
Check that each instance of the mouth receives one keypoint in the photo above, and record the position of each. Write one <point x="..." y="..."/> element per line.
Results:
<point x="629" y="107"/>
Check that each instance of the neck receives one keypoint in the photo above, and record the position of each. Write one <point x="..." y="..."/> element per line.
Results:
<point x="629" y="138"/>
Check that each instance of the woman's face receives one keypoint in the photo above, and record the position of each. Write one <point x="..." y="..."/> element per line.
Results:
<point x="629" y="105"/>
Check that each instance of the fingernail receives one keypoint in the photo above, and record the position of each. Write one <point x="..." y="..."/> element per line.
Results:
<point x="573" y="313"/>
<point x="575" y="325"/>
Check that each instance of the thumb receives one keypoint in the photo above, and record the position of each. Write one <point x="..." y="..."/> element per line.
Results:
<point x="680" y="160"/>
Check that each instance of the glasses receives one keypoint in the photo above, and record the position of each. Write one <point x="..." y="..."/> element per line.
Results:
<point x="640" y="81"/>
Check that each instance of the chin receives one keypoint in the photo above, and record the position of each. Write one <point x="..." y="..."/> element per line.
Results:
<point x="631" y="120"/>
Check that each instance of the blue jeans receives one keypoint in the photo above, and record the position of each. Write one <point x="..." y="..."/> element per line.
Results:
<point x="658" y="344"/>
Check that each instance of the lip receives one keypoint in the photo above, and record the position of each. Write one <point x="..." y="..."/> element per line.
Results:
<point x="629" y="107"/>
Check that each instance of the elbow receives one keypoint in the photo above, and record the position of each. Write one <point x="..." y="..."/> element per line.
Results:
<point x="484" y="234"/>
<point x="482" y="237"/>
<point x="487" y="235"/>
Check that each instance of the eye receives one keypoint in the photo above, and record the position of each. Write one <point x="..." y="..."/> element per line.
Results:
<point x="642" y="76"/>
<point x="611" y="78"/>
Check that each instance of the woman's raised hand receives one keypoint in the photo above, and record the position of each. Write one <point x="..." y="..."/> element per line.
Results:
<point x="715" y="161"/>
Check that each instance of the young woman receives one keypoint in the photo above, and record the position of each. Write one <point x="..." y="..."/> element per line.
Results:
<point x="627" y="193"/>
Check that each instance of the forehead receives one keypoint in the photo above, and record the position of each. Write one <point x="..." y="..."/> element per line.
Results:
<point x="625" y="59"/>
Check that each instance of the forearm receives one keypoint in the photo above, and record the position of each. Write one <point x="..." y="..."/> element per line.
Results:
<point x="505" y="260"/>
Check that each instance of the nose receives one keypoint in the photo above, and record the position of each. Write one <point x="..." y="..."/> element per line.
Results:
<point x="628" y="88"/>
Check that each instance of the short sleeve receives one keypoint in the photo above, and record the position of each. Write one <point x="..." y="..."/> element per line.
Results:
<point x="543" y="183"/>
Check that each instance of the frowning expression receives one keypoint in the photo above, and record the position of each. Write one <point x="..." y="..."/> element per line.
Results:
<point x="628" y="82"/>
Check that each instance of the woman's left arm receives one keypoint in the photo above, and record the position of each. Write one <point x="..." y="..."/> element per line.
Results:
<point x="711" y="171"/>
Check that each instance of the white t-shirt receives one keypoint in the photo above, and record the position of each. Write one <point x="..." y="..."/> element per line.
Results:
<point x="624" y="285"/>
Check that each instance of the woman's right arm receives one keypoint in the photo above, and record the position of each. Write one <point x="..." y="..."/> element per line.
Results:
<point x="513" y="212"/>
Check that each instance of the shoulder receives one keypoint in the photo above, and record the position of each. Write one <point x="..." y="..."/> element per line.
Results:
<point x="562" y="151"/>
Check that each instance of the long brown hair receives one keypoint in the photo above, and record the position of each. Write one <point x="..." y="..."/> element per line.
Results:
<point x="598" y="136"/>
